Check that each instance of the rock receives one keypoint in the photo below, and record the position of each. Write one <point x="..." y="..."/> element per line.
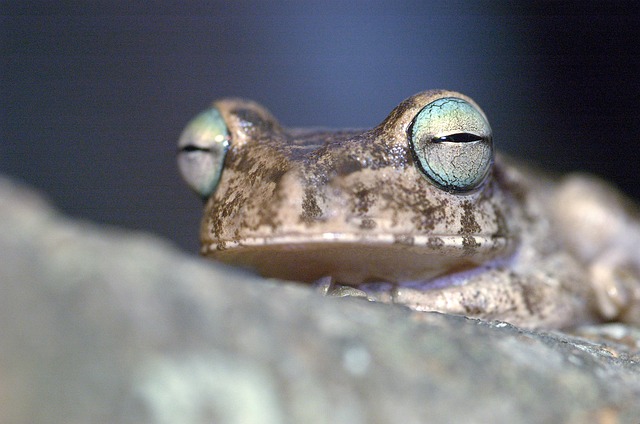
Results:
<point x="99" y="324"/>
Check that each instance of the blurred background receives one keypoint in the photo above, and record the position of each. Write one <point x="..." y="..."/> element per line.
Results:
<point x="93" y="97"/>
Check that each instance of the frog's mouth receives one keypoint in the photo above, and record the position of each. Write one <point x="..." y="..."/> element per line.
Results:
<point x="354" y="262"/>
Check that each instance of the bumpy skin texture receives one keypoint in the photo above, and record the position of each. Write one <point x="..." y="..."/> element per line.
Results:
<point x="306" y="205"/>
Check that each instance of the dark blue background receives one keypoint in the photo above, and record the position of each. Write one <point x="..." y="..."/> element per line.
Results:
<point x="94" y="97"/>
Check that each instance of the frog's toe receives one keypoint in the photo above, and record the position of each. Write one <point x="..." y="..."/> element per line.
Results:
<point x="344" y="291"/>
<point x="616" y="285"/>
<point x="323" y="285"/>
<point x="327" y="287"/>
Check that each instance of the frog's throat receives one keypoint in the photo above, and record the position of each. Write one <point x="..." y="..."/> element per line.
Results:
<point x="356" y="260"/>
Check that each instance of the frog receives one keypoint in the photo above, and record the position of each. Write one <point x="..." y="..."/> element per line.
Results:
<point x="419" y="211"/>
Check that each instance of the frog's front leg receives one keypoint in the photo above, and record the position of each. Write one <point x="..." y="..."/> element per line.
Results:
<point x="602" y="229"/>
<point x="531" y="298"/>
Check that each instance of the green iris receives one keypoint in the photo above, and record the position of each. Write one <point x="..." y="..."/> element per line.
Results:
<point x="202" y="148"/>
<point x="451" y="142"/>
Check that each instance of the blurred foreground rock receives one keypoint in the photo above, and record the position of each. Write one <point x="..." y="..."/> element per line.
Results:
<point x="99" y="325"/>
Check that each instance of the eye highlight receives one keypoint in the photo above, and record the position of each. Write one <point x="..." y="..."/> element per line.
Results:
<point x="202" y="148"/>
<point x="451" y="142"/>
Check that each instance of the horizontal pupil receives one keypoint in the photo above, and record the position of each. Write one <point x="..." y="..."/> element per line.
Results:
<point x="457" y="138"/>
<point x="192" y="148"/>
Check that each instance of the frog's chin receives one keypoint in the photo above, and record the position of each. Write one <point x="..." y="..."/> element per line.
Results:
<point x="354" y="262"/>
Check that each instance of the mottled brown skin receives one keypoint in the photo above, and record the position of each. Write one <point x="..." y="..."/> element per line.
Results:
<point x="305" y="205"/>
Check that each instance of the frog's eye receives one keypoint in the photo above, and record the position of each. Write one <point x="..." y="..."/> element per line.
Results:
<point x="450" y="140"/>
<point x="202" y="149"/>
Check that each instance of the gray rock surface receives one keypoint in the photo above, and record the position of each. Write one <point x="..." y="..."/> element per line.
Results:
<point x="101" y="325"/>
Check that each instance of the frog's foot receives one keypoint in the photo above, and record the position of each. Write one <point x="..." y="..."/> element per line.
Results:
<point x="616" y="285"/>
<point x="601" y="227"/>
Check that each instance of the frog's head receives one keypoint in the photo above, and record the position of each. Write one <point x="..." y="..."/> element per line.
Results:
<point x="411" y="199"/>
